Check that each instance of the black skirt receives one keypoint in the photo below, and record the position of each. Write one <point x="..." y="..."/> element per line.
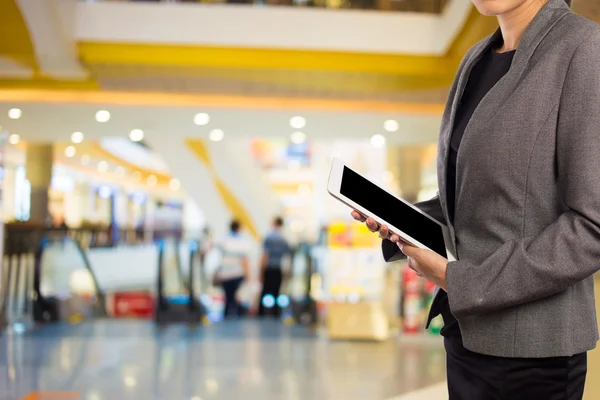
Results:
<point x="473" y="376"/>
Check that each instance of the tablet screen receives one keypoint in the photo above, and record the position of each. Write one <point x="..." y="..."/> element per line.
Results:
<point x="387" y="207"/>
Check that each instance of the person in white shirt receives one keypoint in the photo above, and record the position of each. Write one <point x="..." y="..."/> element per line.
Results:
<point x="233" y="268"/>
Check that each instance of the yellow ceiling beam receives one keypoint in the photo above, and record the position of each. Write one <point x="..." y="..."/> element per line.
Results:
<point x="217" y="101"/>
<point x="232" y="57"/>
<point x="16" y="43"/>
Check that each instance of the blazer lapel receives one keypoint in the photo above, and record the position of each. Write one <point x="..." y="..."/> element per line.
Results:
<point x="546" y="18"/>
<point x="448" y="123"/>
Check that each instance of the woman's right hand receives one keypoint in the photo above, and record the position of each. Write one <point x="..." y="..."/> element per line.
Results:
<point x="383" y="230"/>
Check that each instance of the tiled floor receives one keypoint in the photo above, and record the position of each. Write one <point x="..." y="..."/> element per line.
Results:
<point x="234" y="360"/>
<point x="120" y="360"/>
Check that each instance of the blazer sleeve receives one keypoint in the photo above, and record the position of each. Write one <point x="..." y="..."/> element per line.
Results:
<point x="390" y="250"/>
<point x="568" y="250"/>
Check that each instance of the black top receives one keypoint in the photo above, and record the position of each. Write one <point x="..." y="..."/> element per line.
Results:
<point x="485" y="74"/>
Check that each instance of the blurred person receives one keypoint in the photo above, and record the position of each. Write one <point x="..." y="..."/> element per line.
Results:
<point x="275" y="249"/>
<point x="520" y="192"/>
<point x="233" y="267"/>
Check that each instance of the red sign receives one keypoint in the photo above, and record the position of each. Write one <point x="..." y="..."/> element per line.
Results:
<point x="133" y="304"/>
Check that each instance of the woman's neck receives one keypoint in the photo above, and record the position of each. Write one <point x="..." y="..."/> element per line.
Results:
<point x="514" y="22"/>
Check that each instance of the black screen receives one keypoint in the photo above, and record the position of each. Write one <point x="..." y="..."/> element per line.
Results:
<point x="387" y="207"/>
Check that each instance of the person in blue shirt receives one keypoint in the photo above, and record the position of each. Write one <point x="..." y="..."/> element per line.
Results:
<point x="275" y="248"/>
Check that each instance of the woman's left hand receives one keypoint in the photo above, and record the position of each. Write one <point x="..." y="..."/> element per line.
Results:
<point x="426" y="263"/>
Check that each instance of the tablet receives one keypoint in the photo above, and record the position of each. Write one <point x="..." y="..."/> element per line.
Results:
<point x="407" y="221"/>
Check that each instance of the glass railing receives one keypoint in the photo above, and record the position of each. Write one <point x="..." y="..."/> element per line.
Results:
<point x="420" y="6"/>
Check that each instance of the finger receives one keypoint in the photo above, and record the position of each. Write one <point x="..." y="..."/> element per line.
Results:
<point x="358" y="216"/>
<point x="408" y="250"/>
<point x="384" y="232"/>
<point x="396" y="239"/>
<point x="372" y="225"/>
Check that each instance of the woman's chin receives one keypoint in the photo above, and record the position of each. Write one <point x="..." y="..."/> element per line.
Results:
<point x="493" y="8"/>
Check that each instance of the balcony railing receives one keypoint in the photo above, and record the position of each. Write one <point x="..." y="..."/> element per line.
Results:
<point x="420" y="6"/>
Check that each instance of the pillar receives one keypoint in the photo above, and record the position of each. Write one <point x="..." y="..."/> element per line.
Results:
<point x="38" y="170"/>
<point x="405" y="162"/>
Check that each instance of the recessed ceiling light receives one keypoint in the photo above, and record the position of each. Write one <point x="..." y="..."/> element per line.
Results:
<point x="151" y="180"/>
<point x="377" y="140"/>
<point x="136" y="135"/>
<point x="298" y="122"/>
<point x="216" y="135"/>
<point x="14" y="138"/>
<point x="102" y="116"/>
<point x="391" y="125"/>
<point x="120" y="170"/>
<point x="14" y="113"/>
<point x="174" y="184"/>
<point x="70" y="151"/>
<point x="130" y="381"/>
<point x="201" y="119"/>
<point x="298" y="137"/>
<point x="102" y="166"/>
<point x="85" y="159"/>
<point x="77" y="137"/>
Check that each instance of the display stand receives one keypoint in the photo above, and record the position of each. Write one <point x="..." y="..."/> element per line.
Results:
<point x="354" y="284"/>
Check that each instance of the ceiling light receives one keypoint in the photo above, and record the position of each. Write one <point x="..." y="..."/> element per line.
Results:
<point x="14" y="113"/>
<point x="216" y="135"/>
<point x="85" y="159"/>
<point x="102" y="166"/>
<point x="120" y="170"/>
<point x="377" y="140"/>
<point x="102" y="116"/>
<point x="390" y="125"/>
<point x="130" y="381"/>
<point x="136" y="135"/>
<point x="77" y="137"/>
<point x="201" y="119"/>
<point x="137" y="175"/>
<point x="151" y="180"/>
<point x="70" y="151"/>
<point x="14" y="139"/>
<point x="298" y="137"/>
<point x="298" y="122"/>
<point x="174" y="184"/>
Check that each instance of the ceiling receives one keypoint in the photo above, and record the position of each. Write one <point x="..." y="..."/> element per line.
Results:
<point x="50" y="122"/>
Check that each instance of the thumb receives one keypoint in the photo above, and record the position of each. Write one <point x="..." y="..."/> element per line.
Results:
<point x="408" y="250"/>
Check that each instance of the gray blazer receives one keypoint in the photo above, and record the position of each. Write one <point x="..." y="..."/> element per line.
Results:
<point x="527" y="220"/>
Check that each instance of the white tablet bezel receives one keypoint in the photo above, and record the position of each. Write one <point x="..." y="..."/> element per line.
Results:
<point x="334" y="185"/>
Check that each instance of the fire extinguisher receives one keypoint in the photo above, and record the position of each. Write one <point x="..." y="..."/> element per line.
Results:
<point x="411" y="301"/>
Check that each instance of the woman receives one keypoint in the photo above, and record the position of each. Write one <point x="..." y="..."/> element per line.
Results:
<point x="519" y="179"/>
<point x="233" y="268"/>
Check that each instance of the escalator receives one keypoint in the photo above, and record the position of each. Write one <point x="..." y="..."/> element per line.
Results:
<point x="177" y="300"/>
<point x="302" y="304"/>
<point x="46" y="277"/>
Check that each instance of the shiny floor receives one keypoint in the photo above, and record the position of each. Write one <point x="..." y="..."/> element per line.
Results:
<point x="249" y="359"/>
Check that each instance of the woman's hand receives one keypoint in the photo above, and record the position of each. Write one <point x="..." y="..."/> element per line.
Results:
<point x="384" y="232"/>
<point x="426" y="263"/>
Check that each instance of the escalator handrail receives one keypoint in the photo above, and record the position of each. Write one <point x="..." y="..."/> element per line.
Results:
<point x="45" y="241"/>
